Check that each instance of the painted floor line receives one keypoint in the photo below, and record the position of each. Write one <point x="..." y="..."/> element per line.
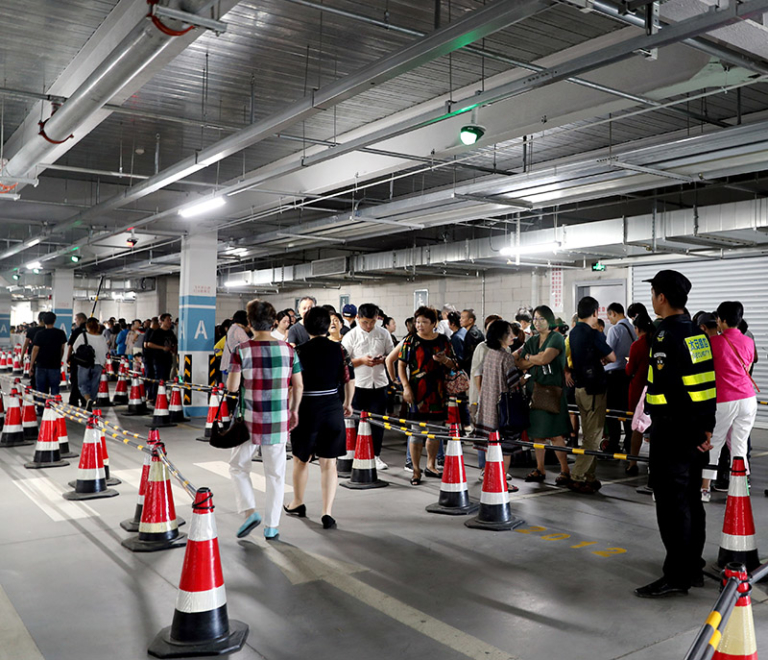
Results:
<point x="47" y="496"/>
<point x="17" y="642"/>
<point x="222" y="469"/>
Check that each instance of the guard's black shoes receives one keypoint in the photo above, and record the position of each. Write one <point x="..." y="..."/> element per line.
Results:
<point x="660" y="589"/>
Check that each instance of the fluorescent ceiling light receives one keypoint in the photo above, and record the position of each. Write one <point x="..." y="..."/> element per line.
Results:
<point x="514" y="250"/>
<point x="32" y="265"/>
<point x="33" y="242"/>
<point x="202" y="207"/>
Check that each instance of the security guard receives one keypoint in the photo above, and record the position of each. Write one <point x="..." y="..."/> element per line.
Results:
<point x="681" y="402"/>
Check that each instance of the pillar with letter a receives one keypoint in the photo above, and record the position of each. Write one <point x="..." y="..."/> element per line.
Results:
<point x="63" y="294"/>
<point x="197" y="316"/>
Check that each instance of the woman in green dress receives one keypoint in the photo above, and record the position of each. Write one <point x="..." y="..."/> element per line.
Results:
<point x="543" y="357"/>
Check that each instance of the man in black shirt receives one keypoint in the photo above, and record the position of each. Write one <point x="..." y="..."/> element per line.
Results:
<point x="472" y="339"/>
<point x="75" y="398"/>
<point x="297" y="334"/>
<point x="163" y="344"/>
<point x="47" y="353"/>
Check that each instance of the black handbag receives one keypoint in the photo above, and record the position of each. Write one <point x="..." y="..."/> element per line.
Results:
<point x="514" y="412"/>
<point x="233" y="435"/>
<point x="84" y="356"/>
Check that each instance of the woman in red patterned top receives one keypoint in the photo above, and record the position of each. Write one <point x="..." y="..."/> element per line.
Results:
<point x="424" y="361"/>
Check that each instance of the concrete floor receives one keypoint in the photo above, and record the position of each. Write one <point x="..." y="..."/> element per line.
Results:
<point x="391" y="582"/>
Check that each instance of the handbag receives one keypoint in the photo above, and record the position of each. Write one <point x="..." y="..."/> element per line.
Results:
<point x="235" y="434"/>
<point x="456" y="382"/>
<point x="513" y="412"/>
<point x="547" y="398"/>
<point x="84" y="356"/>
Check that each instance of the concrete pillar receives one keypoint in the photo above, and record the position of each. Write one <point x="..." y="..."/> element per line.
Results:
<point x="197" y="315"/>
<point x="5" y="317"/>
<point x="63" y="293"/>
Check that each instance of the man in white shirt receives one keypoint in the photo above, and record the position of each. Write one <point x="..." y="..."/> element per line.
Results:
<point x="368" y="345"/>
<point x="620" y="336"/>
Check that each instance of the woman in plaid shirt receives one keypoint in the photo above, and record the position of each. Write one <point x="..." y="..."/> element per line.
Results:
<point x="269" y="373"/>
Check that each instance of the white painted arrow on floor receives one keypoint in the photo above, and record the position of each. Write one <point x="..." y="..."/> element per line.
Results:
<point x="301" y="567"/>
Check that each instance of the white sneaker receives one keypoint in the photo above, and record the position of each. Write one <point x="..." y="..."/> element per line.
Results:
<point x="706" y="496"/>
<point x="381" y="465"/>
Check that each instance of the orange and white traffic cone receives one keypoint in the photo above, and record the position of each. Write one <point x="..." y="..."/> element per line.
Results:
<point x="13" y="433"/>
<point x="453" y="411"/>
<point x="136" y="405"/>
<point x="102" y="396"/>
<point x="175" y="409"/>
<point x="344" y="464"/>
<point x="64" y="382"/>
<point x="494" y="511"/>
<point x="162" y="416"/>
<point x="91" y="482"/>
<point x="737" y="542"/>
<point x="364" y="463"/>
<point x="213" y="414"/>
<point x="158" y="529"/>
<point x="47" y="452"/>
<point x="454" y="492"/>
<point x="201" y="625"/>
<point x="738" y="641"/>
<point x="29" y="415"/>
<point x="61" y="433"/>
<point x="132" y="524"/>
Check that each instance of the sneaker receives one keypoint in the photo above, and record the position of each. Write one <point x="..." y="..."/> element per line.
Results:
<point x="440" y="462"/>
<point x="408" y="467"/>
<point x="706" y="496"/>
<point x="381" y="465"/>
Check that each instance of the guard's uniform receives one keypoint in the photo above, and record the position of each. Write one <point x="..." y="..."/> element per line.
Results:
<point x="681" y="401"/>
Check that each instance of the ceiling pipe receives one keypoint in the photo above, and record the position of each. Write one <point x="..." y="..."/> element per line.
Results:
<point x="474" y="26"/>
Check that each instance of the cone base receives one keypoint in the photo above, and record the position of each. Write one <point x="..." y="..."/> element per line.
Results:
<point x="112" y="481"/>
<point x="130" y="413"/>
<point x="749" y="558"/>
<point x="36" y="466"/>
<point x="160" y="425"/>
<point x="453" y="510"/>
<point x="135" y="545"/>
<point x="74" y="495"/>
<point x="69" y="454"/>
<point x="119" y="402"/>
<point x="130" y="525"/>
<point x="344" y="475"/>
<point x="103" y="403"/>
<point x="513" y="523"/>
<point x="165" y="647"/>
<point x="30" y="433"/>
<point x="356" y="485"/>
<point x="18" y="443"/>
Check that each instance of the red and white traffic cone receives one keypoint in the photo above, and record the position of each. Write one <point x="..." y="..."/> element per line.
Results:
<point x="364" y="463"/>
<point x="47" y="451"/>
<point x="13" y="433"/>
<point x="224" y="414"/>
<point x="213" y="412"/>
<point x="16" y="365"/>
<point x="111" y="481"/>
<point x="201" y="625"/>
<point x="494" y="511"/>
<point x="344" y="464"/>
<point x="175" y="409"/>
<point x="454" y="492"/>
<point x="453" y="411"/>
<point x="120" y="396"/>
<point x="2" y="361"/>
<point x="91" y="482"/>
<point x="102" y="396"/>
<point x="136" y="406"/>
<point x="158" y="529"/>
<point x="738" y="641"/>
<point x="162" y="416"/>
<point x="143" y="392"/>
<point x="61" y="428"/>
<point x="27" y="363"/>
<point x="132" y="524"/>
<point x="737" y="542"/>
<point x="109" y="368"/>
<point x="64" y="383"/>
<point x="29" y="415"/>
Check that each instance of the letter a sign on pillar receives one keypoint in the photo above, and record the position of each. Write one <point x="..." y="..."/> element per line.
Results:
<point x="197" y="312"/>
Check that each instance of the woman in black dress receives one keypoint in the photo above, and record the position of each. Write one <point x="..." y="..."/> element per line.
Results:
<point x="321" y="429"/>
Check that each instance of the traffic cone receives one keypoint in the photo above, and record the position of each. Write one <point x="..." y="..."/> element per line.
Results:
<point x="64" y="383"/>
<point x="120" y="397"/>
<point x="28" y="415"/>
<point x="454" y="493"/>
<point x="27" y="363"/>
<point x="91" y="482"/>
<point x="364" y="463"/>
<point x="344" y="464"/>
<point x="2" y="360"/>
<point x="224" y="414"/>
<point x="61" y="427"/>
<point x="175" y="409"/>
<point x="13" y="432"/>
<point x="111" y="481"/>
<point x="737" y="542"/>
<point x="738" y="641"/>
<point x="16" y="365"/>
<point x="494" y="511"/>
<point x="162" y="416"/>
<point x="136" y="406"/>
<point x="213" y="411"/>
<point x="453" y="411"/>
<point x="47" y="452"/>
<point x="201" y="625"/>
<point x="109" y="368"/>
<point x="102" y="396"/>
<point x="132" y="525"/>
<point x="158" y="529"/>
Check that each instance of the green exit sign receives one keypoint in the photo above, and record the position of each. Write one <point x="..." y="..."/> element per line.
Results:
<point x="598" y="267"/>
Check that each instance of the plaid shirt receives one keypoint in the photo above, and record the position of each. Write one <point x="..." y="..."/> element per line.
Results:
<point x="267" y="368"/>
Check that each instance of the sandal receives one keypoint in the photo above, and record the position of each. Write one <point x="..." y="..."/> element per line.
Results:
<point x="511" y="488"/>
<point x="431" y="473"/>
<point x="563" y="479"/>
<point x="415" y="481"/>
<point x="535" y="476"/>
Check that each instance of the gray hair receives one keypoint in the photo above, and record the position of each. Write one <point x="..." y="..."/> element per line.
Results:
<point x="449" y="308"/>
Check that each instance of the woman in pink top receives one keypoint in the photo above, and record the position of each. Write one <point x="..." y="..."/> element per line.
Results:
<point x="732" y="353"/>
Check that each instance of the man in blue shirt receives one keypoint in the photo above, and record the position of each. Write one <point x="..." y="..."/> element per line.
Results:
<point x="620" y="337"/>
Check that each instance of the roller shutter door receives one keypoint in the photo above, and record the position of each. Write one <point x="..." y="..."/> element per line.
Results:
<point x="743" y="279"/>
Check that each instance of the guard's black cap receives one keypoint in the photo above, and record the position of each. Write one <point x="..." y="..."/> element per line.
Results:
<point x="670" y="282"/>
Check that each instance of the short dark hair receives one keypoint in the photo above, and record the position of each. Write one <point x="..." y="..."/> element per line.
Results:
<point x="601" y="323"/>
<point x="470" y="313"/>
<point x="427" y="312"/>
<point x="164" y="316"/>
<point x="496" y="332"/>
<point x="368" y="311"/>
<point x="586" y="307"/>
<point x="92" y="325"/>
<point x="240" y="316"/>
<point x="49" y="318"/>
<point x="616" y="308"/>
<point x="331" y="309"/>
<point x="523" y="317"/>
<point x="454" y="318"/>
<point x="81" y="316"/>
<point x="261" y="315"/>
<point x="675" y="299"/>
<point x="317" y="321"/>
<point x="730" y="312"/>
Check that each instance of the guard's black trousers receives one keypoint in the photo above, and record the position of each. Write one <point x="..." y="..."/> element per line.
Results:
<point x="676" y="467"/>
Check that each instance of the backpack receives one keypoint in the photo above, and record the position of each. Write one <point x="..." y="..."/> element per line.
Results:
<point x="84" y="356"/>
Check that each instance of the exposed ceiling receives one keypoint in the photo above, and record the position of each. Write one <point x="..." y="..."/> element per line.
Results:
<point x="331" y="128"/>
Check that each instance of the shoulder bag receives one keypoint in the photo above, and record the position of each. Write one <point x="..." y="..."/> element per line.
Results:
<point x="235" y="434"/>
<point x="84" y="356"/>
<point x="546" y="397"/>
<point x="513" y="411"/>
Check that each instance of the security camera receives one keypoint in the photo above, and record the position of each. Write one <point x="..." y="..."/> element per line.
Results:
<point x="132" y="241"/>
